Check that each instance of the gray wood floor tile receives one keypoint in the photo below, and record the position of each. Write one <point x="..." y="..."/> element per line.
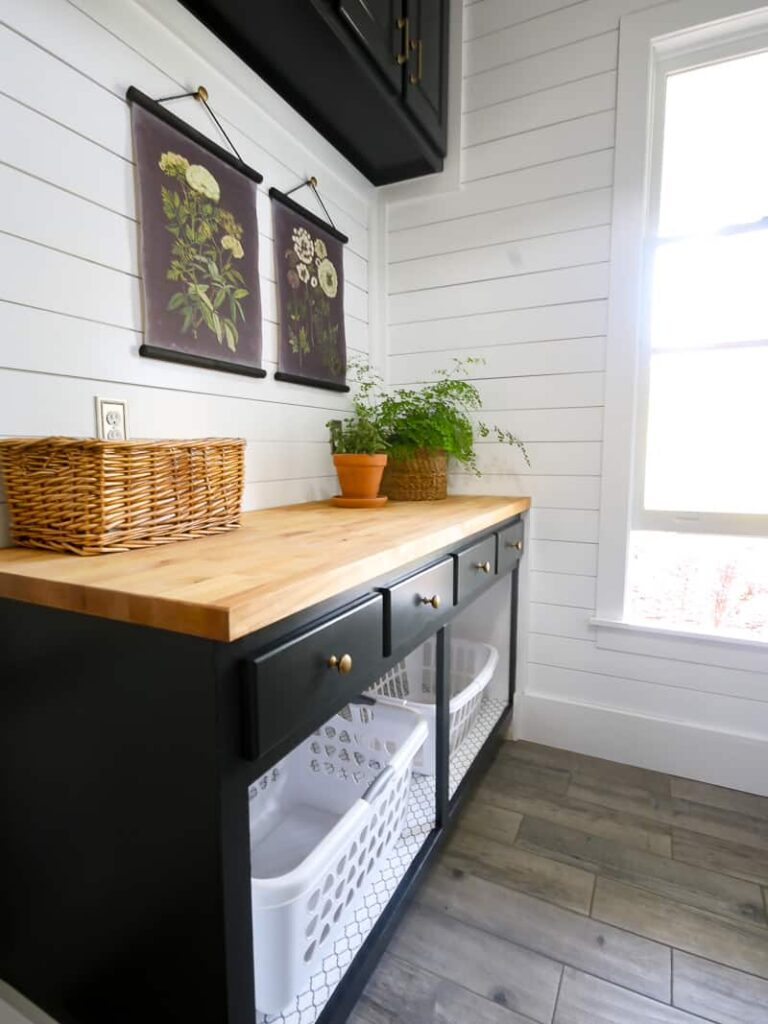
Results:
<point x="580" y="765"/>
<point x="721" y="855"/>
<point x="493" y="822"/>
<point x="740" y="945"/>
<point x="519" y="869"/>
<point x="707" y="890"/>
<point x="401" y="993"/>
<point x="587" y="1000"/>
<point x="570" y="938"/>
<point x="550" y="780"/>
<point x="719" y="796"/>
<point x="694" y="817"/>
<point x="718" y="993"/>
<point x="587" y="817"/>
<point x="488" y="965"/>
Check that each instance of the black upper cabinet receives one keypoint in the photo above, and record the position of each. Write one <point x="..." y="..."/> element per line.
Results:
<point x="426" y="81"/>
<point x="372" y="83"/>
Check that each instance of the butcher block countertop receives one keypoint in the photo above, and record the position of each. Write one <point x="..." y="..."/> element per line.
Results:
<point x="281" y="561"/>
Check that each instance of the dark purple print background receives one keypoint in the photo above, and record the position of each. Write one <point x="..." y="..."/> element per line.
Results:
<point x="199" y="247"/>
<point x="310" y="289"/>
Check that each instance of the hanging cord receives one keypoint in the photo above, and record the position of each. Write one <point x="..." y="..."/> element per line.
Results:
<point x="201" y="95"/>
<point x="312" y="183"/>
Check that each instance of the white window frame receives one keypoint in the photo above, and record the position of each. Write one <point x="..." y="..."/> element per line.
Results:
<point x="652" y="43"/>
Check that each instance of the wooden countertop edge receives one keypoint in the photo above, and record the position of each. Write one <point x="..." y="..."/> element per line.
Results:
<point x="249" y="611"/>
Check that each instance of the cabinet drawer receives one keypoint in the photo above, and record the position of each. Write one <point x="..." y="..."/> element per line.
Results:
<point x="292" y="689"/>
<point x="510" y="547"/>
<point x="417" y="606"/>
<point x="475" y="566"/>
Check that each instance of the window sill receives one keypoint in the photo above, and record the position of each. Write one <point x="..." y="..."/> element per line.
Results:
<point x="681" y="645"/>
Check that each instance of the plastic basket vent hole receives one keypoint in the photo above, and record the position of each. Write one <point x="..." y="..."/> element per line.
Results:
<point x="391" y="747"/>
<point x="326" y="911"/>
<point x="339" y="890"/>
<point x="351" y="874"/>
<point x="325" y="932"/>
<point x="353" y="847"/>
<point x="310" y="952"/>
<point x="370" y="866"/>
<point x="379" y="850"/>
<point x="330" y="732"/>
<point x="360" y="879"/>
<point x="311" y="927"/>
<point x="341" y="865"/>
<point x="337" y="913"/>
<point x="327" y="883"/>
<point x="313" y="900"/>
<point x="350" y="897"/>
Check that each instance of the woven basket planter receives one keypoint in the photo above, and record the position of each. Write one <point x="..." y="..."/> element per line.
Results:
<point x="92" y="497"/>
<point x="422" y="476"/>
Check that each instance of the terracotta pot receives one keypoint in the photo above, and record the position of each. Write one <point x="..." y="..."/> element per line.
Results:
<point x="422" y="476"/>
<point x="359" y="475"/>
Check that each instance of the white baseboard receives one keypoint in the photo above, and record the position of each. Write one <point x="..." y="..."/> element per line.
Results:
<point x="677" y="748"/>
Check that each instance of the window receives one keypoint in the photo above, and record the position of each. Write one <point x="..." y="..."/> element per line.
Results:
<point x="693" y="551"/>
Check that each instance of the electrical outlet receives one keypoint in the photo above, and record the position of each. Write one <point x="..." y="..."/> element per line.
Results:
<point x="111" y="419"/>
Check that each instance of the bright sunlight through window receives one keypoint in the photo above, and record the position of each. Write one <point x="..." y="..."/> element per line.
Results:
<point x="707" y="407"/>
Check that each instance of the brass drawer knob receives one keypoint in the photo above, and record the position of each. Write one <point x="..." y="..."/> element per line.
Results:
<point x="434" y="600"/>
<point x="342" y="664"/>
<point x="483" y="566"/>
<point x="517" y="546"/>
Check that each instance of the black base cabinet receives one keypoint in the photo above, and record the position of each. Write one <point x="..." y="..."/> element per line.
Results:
<point x="126" y="756"/>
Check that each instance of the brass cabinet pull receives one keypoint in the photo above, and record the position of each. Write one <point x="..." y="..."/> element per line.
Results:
<point x="434" y="600"/>
<point x="483" y="566"/>
<point x="342" y="664"/>
<point x="418" y="44"/>
<point x="404" y="25"/>
<point x="517" y="546"/>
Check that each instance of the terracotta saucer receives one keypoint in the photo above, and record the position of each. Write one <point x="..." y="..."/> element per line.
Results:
<point x="358" y="502"/>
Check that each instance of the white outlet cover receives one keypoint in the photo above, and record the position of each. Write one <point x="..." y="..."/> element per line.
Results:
<point x="111" y="419"/>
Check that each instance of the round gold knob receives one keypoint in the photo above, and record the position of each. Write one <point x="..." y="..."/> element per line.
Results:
<point x="483" y="566"/>
<point x="342" y="664"/>
<point x="434" y="600"/>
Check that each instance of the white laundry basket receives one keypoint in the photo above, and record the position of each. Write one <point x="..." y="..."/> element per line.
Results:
<point x="411" y="683"/>
<point x="322" y="821"/>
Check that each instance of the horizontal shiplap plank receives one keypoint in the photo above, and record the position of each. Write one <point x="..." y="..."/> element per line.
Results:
<point x="560" y="620"/>
<point x="577" y="355"/>
<point x="708" y="710"/>
<point x="553" y="491"/>
<point x="542" y="145"/>
<point x="508" y="327"/>
<point x="542" y="71"/>
<point x="550" y="252"/>
<point x="562" y="589"/>
<point x="546" y="458"/>
<point x="572" y="284"/>
<point x="547" y="107"/>
<point x="492" y="15"/>
<point x="514" y="188"/>
<point x="454" y="243"/>
<point x="587" y="657"/>
<point x="551" y="30"/>
<point x="564" y="524"/>
<point x="563" y="556"/>
<point x="565" y="390"/>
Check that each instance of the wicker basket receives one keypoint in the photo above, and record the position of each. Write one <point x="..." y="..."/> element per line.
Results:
<point x="92" y="497"/>
<point x="422" y="476"/>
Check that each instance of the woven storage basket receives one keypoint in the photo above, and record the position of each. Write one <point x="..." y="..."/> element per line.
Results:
<point x="92" y="497"/>
<point x="422" y="476"/>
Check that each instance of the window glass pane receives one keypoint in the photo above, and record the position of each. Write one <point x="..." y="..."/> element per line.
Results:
<point x="711" y="291"/>
<point x="699" y="583"/>
<point x="715" y="166"/>
<point x="708" y="432"/>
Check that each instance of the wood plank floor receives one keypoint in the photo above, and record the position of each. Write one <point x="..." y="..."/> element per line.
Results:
<point x="578" y="891"/>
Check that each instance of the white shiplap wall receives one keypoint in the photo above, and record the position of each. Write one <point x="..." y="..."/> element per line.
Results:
<point x="69" y="288"/>
<point x="514" y="268"/>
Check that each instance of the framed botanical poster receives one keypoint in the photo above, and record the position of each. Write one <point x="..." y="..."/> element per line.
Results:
<point x="310" y="289"/>
<point x="199" y="245"/>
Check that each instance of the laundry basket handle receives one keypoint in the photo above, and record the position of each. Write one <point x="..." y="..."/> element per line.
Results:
<point x="378" y="784"/>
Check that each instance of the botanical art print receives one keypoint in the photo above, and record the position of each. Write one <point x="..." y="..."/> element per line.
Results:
<point x="309" y="267"/>
<point x="199" y="248"/>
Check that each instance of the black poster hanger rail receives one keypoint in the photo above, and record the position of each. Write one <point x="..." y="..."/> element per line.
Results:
<point x="324" y="225"/>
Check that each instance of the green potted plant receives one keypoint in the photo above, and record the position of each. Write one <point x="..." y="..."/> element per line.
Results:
<point x="425" y="426"/>
<point x="359" y="455"/>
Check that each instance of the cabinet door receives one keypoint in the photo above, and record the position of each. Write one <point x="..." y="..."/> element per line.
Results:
<point x="426" y="80"/>
<point x="375" y="23"/>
